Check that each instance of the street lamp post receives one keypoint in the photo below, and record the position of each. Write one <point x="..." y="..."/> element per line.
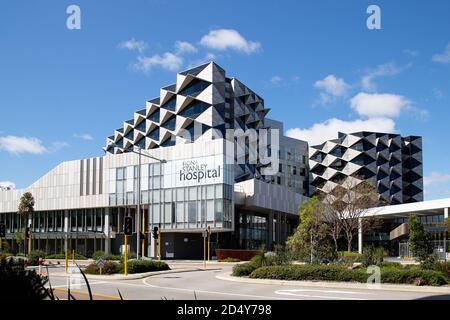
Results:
<point x="138" y="198"/>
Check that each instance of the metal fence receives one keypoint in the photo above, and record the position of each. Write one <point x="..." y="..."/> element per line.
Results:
<point x="441" y="247"/>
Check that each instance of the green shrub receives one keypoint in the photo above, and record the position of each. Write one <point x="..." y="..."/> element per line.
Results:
<point x="33" y="257"/>
<point x="113" y="257"/>
<point x="310" y="272"/>
<point x="413" y="276"/>
<point x="141" y="266"/>
<point x="372" y="256"/>
<point x="230" y="260"/>
<point x="245" y="269"/>
<point x="98" y="254"/>
<point x="110" y="267"/>
<point x="392" y="265"/>
<point x="62" y="256"/>
<point x="349" y="254"/>
<point x="340" y="273"/>
<point x="443" y="267"/>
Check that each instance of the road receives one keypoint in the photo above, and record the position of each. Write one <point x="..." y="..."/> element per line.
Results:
<point x="203" y="285"/>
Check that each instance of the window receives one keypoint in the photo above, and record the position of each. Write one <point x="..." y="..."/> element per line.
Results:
<point x="280" y="168"/>
<point x="180" y="212"/>
<point x="170" y="123"/>
<point x="192" y="212"/>
<point x="194" y="109"/>
<point x="194" y="87"/>
<point x="294" y="170"/>
<point x="218" y="210"/>
<point x="170" y="104"/>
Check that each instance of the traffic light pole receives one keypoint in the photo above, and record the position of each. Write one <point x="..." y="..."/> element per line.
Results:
<point x="138" y="198"/>
<point x="138" y="231"/>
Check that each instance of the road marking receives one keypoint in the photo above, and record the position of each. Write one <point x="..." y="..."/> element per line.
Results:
<point x="93" y="294"/>
<point x="293" y="293"/>
<point x="79" y="284"/>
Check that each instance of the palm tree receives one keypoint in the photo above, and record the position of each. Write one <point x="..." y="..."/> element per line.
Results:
<point x="26" y="208"/>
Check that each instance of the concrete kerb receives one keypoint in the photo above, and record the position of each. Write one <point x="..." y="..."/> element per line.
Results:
<point x="337" y="285"/>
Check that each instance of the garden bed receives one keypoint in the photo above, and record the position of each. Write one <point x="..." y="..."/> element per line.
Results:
<point x="341" y="273"/>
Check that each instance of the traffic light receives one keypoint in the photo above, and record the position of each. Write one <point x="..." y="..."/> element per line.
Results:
<point x="155" y="232"/>
<point x="2" y="230"/>
<point x="128" y="226"/>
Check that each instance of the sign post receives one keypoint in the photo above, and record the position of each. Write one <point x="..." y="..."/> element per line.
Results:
<point x="101" y="264"/>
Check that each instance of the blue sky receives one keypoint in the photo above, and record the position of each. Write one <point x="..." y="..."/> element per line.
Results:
<point x="318" y="66"/>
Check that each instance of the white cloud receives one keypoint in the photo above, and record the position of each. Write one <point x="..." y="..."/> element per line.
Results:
<point x="275" y="80"/>
<point x="436" y="178"/>
<point x="332" y="85"/>
<point x="133" y="45"/>
<point x="7" y="185"/>
<point x="184" y="47"/>
<point x="443" y="57"/>
<point x="168" y="61"/>
<point x="320" y="132"/>
<point x="388" y="69"/>
<point x="83" y="136"/>
<point x="379" y="104"/>
<point x="411" y="52"/>
<point x="18" y="145"/>
<point x="223" y="39"/>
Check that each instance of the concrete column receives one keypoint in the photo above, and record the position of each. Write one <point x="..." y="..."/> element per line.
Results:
<point x="107" y="232"/>
<point x="66" y="230"/>
<point x="360" y="236"/>
<point x="445" y="213"/>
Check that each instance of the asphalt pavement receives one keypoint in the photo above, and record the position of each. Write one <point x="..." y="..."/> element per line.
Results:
<point x="200" y="284"/>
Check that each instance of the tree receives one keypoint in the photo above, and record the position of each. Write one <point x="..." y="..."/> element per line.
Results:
<point x="347" y="205"/>
<point x="419" y="241"/>
<point x="19" y="236"/>
<point x="310" y="241"/>
<point x="26" y="208"/>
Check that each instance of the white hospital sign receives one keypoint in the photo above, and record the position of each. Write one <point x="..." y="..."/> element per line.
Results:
<point x="193" y="172"/>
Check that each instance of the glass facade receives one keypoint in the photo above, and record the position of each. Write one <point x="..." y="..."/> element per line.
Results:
<point x="177" y="207"/>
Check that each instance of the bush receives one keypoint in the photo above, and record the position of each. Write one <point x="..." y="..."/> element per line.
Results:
<point x="260" y="260"/>
<point x="339" y="273"/>
<point x="140" y="266"/>
<point x="443" y="267"/>
<point x="413" y="276"/>
<point x="62" y="256"/>
<point x="230" y="260"/>
<point x="310" y="272"/>
<point x="109" y="268"/>
<point x="391" y="265"/>
<point x="245" y="269"/>
<point x="101" y="254"/>
<point x="33" y="257"/>
<point x="98" y="254"/>
<point x="372" y="256"/>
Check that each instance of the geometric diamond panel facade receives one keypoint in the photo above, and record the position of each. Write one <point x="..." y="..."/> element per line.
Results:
<point x="393" y="164"/>
<point x="201" y="104"/>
